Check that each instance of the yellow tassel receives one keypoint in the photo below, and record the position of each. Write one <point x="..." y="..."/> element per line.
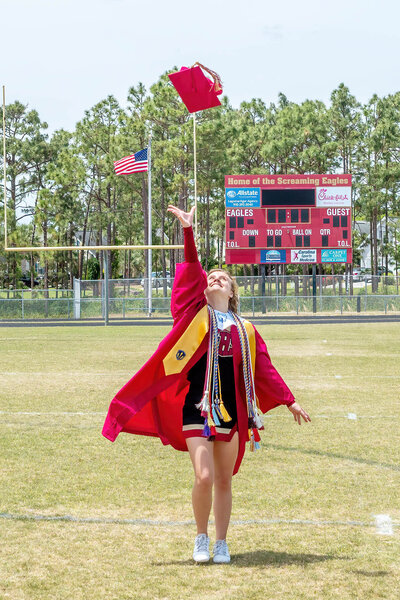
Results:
<point x="210" y="420"/>
<point x="225" y="415"/>
<point x="252" y="448"/>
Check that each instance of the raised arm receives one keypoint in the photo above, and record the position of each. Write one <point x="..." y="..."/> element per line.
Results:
<point x="186" y="220"/>
<point x="190" y="279"/>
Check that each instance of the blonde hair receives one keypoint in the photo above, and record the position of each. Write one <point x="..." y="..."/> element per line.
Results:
<point x="233" y="304"/>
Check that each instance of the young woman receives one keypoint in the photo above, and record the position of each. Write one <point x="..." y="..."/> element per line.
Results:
<point x="203" y="389"/>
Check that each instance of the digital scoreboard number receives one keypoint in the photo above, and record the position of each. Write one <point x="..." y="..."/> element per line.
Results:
<point x="288" y="219"/>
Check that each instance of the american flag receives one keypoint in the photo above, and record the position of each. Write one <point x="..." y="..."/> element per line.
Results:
<point x="134" y="163"/>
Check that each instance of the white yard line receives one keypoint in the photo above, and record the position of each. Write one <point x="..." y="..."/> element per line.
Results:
<point x="57" y="413"/>
<point x="366" y="376"/>
<point x="167" y="523"/>
<point x="67" y="373"/>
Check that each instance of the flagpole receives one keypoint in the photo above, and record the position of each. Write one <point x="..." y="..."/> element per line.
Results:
<point x="195" y="176"/>
<point x="5" y="166"/>
<point x="149" y="241"/>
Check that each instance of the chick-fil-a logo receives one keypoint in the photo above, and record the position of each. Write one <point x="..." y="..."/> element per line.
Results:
<point x="324" y="195"/>
<point x="334" y="196"/>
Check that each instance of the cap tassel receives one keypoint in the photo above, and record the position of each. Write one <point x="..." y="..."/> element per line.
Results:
<point x="217" y="83"/>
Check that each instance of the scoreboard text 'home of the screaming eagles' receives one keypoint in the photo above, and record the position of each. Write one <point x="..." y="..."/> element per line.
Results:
<point x="288" y="219"/>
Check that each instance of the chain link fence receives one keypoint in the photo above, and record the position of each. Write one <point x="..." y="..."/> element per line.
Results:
<point x="295" y="294"/>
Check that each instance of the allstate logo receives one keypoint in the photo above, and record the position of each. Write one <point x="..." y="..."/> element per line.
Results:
<point x="273" y="255"/>
<point x="231" y="194"/>
<point x="180" y="355"/>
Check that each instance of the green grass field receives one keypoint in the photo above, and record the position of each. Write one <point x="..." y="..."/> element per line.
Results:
<point x="333" y="476"/>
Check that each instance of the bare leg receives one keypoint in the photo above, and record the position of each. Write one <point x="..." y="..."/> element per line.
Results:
<point x="201" y="454"/>
<point x="225" y="454"/>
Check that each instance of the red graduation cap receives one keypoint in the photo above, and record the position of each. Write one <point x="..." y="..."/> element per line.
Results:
<point x="197" y="91"/>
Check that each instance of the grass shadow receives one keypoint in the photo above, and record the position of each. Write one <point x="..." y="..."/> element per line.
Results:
<point x="372" y="573"/>
<point x="355" y="459"/>
<point x="260" y="558"/>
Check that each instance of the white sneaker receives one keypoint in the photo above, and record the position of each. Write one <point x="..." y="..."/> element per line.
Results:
<point x="221" y="552"/>
<point x="201" y="552"/>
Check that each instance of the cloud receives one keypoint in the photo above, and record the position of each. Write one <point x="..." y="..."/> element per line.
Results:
<point x="273" y="32"/>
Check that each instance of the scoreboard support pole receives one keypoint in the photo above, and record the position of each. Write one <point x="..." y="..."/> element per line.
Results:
<point x="264" y="305"/>
<point x="314" y="288"/>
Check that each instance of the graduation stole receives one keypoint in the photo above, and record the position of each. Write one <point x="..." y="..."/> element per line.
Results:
<point x="212" y="407"/>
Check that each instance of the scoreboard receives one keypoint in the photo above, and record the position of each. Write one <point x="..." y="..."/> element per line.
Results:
<point x="288" y="219"/>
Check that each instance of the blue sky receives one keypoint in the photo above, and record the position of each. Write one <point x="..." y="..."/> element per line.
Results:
<point x="63" y="56"/>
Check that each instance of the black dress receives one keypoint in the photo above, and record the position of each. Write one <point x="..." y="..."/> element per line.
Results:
<point x="193" y="422"/>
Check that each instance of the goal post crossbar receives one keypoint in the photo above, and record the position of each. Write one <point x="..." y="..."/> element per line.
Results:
<point x="79" y="248"/>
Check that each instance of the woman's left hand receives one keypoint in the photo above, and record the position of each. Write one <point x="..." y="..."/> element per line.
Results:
<point x="298" y="413"/>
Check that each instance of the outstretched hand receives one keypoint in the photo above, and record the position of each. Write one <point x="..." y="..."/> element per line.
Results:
<point x="298" y="413"/>
<point x="185" y="218"/>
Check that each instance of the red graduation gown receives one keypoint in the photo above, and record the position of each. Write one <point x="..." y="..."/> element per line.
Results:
<point x="151" y="402"/>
